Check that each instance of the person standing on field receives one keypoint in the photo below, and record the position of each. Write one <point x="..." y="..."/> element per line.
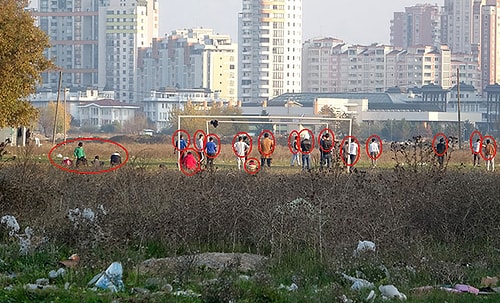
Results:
<point x="326" y="151"/>
<point x="476" y="152"/>
<point x="266" y="150"/>
<point x="199" y="147"/>
<point x="79" y="154"/>
<point x="374" y="150"/>
<point x="211" y="150"/>
<point x="489" y="152"/>
<point x="305" y="148"/>
<point x="240" y="148"/>
<point x="440" y="152"/>
<point x="295" y="152"/>
<point x="353" y="152"/>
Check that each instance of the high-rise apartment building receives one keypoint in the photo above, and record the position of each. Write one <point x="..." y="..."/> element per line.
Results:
<point x="125" y="26"/>
<point x="417" y="25"/>
<point x="490" y="39"/>
<point x="461" y="26"/>
<point x="270" y="45"/>
<point x="333" y="66"/>
<point x="72" y="27"/>
<point x="188" y="59"/>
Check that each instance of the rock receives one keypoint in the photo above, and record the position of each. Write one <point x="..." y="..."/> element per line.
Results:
<point x="215" y="261"/>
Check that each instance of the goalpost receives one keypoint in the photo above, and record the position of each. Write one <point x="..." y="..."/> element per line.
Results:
<point x="296" y="120"/>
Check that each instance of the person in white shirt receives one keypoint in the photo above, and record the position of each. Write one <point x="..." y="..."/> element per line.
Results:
<point x="476" y="147"/>
<point x="240" y="149"/>
<point x="200" y="142"/>
<point x="353" y="152"/>
<point x="374" y="150"/>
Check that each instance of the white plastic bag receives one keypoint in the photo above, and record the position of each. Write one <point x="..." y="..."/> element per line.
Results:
<point x="110" y="279"/>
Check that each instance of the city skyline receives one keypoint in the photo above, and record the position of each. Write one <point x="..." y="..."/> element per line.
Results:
<point x="316" y="18"/>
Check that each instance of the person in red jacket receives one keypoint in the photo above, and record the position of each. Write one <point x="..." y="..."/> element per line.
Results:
<point x="189" y="161"/>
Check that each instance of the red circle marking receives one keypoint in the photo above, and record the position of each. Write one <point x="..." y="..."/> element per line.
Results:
<point x="257" y="163"/>
<point x="198" y="166"/>
<point x="494" y="144"/>
<point x="439" y="135"/>
<point x="332" y="135"/>
<point x="218" y="144"/>
<point x="87" y="172"/>
<point x="368" y="141"/>
<point x="471" y="141"/>
<point x="290" y="146"/>
<point x="244" y="134"/>
<point x="272" y="147"/>
<point x="188" y="142"/>
<point x="347" y="138"/>
<point x="311" y="138"/>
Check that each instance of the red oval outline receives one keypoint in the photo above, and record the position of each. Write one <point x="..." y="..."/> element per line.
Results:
<point x="471" y="141"/>
<point x="75" y="171"/>
<point x="311" y="137"/>
<point x="333" y="140"/>
<point x="258" y="166"/>
<point x="188" y="139"/>
<point x="367" y="146"/>
<point x="290" y="147"/>
<point x="434" y="147"/>
<point x="249" y="147"/>
<point x="218" y="144"/>
<point x="198" y="167"/>
<point x="272" y="148"/>
<point x="358" y="156"/>
<point x="494" y="144"/>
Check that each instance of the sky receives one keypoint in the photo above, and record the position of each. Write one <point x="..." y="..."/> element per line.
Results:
<point x="354" y="21"/>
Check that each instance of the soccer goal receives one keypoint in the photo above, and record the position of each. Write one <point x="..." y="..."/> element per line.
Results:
<point x="325" y="122"/>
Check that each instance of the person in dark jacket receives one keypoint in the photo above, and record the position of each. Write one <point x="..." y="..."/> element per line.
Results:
<point x="116" y="159"/>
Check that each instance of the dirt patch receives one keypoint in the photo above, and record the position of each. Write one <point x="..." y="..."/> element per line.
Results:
<point x="215" y="261"/>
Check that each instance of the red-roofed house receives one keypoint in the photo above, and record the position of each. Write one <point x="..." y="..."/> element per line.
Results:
<point x="106" y="111"/>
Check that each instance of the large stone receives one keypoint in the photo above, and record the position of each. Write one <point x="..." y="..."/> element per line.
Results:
<point x="215" y="261"/>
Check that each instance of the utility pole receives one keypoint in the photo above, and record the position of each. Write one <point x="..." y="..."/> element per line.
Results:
<point x="66" y="90"/>
<point x="458" y="109"/>
<point x="57" y="107"/>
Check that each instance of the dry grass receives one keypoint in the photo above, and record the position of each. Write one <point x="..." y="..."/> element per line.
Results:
<point x="405" y="212"/>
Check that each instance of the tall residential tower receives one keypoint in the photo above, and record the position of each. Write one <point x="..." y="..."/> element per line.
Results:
<point x="125" y="26"/>
<point x="270" y="47"/>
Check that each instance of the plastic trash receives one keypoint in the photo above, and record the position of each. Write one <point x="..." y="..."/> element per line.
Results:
<point x="467" y="288"/>
<point x="53" y="274"/>
<point x="358" y="284"/>
<point x="371" y="296"/>
<point x="390" y="291"/>
<point x="111" y="279"/>
<point x="364" y="246"/>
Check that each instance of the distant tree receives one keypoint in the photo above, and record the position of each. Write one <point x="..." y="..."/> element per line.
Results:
<point x="113" y="127"/>
<point x="137" y="124"/>
<point x="21" y="61"/>
<point x="339" y="126"/>
<point x="46" y="119"/>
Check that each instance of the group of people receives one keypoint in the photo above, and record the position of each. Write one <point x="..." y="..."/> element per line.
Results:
<point x="205" y="151"/>
<point x="489" y="154"/>
<point x="80" y="158"/>
<point x="301" y="147"/>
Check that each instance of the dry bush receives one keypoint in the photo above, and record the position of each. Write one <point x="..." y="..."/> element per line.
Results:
<point x="404" y="212"/>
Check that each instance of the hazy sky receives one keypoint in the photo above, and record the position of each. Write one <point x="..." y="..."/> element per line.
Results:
<point x="354" y="21"/>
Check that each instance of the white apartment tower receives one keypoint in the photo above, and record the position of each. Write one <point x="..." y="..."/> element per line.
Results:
<point x="461" y="25"/>
<point x="270" y="46"/>
<point x="125" y="26"/>
<point x="72" y="27"/>
<point x="490" y="38"/>
<point x="191" y="59"/>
